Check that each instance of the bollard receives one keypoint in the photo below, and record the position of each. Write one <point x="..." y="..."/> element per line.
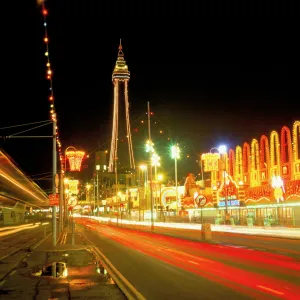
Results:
<point x="206" y="232"/>
<point x="45" y="231"/>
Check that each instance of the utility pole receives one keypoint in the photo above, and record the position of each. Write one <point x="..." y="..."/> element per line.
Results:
<point x="54" y="171"/>
<point x="150" y="167"/>
<point x="61" y="200"/>
<point x="97" y="178"/>
<point x="94" y="195"/>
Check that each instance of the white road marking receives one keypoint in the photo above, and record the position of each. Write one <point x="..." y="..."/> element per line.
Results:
<point x="270" y="290"/>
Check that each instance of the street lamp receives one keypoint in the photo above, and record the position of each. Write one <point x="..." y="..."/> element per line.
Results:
<point x="155" y="162"/>
<point x="175" y="155"/>
<point x="97" y="186"/>
<point x="87" y="197"/>
<point x="150" y="150"/>
<point x="160" y="179"/>
<point x="143" y="178"/>
<point x="223" y="151"/>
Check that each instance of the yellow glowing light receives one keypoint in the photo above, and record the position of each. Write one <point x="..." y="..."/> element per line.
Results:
<point x="75" y="159"/>
<point x="143" y="167"/>
<point x="238" y="163"/>
<point x="211" y="161"/>
<point x="73" y="187"/>
<point x="160" y="177"/>
<point x="274" y="153"/>
<point x="296" y="134"/>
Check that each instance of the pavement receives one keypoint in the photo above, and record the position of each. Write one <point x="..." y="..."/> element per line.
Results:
<point x="84" y="277"/>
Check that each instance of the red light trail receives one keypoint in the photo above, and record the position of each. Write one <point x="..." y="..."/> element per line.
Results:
<point x="235" y="268"/>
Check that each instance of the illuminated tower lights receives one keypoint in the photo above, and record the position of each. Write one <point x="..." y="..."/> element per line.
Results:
<point x="120" y="75"/>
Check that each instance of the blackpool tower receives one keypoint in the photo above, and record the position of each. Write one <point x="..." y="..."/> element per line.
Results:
<point x="121" y="151"/>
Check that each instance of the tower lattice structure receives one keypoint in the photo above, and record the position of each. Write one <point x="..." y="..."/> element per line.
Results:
<point x="120" y="76"/>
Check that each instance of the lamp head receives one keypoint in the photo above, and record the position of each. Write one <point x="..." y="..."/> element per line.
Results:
<point x="222" y="149"/>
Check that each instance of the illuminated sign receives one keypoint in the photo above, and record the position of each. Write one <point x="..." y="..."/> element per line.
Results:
<point x="230" y="203"/>
<point x="278" y="186"/>
<point x="211" y="161"/>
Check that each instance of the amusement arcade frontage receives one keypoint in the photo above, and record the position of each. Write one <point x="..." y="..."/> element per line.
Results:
<point x="259" y="181"/>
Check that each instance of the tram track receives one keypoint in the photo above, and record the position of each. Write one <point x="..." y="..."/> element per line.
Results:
<point x="16" y="249"/>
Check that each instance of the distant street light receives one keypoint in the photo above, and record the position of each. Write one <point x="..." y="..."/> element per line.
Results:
<point x="223" y="152"/>
<point x="97" y="186"/>
<point x="155" y="162"/>
<point x="175" y="155"/>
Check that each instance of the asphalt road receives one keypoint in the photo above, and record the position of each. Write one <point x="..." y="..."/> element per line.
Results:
<point x="164" y="267"/>
<point x="286" y="246"/>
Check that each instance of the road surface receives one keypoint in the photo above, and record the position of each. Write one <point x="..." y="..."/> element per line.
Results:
<point x="164" y="267"/>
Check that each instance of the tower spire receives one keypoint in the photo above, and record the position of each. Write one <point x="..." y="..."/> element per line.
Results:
<point x="120" y="48"/>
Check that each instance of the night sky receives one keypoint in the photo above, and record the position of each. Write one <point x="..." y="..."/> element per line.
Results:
<point x="213" y="74"/>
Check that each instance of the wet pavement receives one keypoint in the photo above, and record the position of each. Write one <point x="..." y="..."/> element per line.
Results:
<point x="83" y="278"/>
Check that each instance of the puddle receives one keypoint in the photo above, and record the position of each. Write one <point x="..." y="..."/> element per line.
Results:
<point x="103" y="272"/>
<point x="47" y="270"/>
<point x="6" y="292"/>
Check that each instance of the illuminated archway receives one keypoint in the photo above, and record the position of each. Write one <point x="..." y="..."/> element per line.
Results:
<point x="238" y="164"/>
<point x="231" y="167"/>
<point x="296" y="149"/>
<point x="254" y="163"/>
<point x="286" y="152"/>
<point x="246" y="163"/>
<point x="264" y="158"/>
<point x="274" y="154"/>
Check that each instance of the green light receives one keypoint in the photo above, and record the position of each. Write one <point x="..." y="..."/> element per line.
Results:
<point x="149" y="146"/>
<point x="175" y="151"/>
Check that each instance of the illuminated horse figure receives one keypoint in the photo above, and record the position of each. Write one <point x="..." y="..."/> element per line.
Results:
<point x="277" y="184"/>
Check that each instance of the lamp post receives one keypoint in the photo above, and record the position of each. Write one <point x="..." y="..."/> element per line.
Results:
<point x="54" y="173"/>
<point x="223" y="150"/>
<point x="160" y="178"/>
<point x="97" y="186"/>
<point x="87" y="197"/>
<point x="155" y="162"/>
<point x="143" y="169"/>
<point x="66" y="196"/>
<point x="151" y="150"/>
<point x="175" y="155"/>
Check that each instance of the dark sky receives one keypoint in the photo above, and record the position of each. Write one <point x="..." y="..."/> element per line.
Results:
<point x="213" y="74"/>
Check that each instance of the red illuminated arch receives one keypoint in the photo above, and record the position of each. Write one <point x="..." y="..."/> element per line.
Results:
<point x="286" y="150"/>
<point x="264" y="152"/>
<point x="246" y="162"/>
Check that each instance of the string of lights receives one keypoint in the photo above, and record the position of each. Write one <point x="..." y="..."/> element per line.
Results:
<point x="49" y="73"/>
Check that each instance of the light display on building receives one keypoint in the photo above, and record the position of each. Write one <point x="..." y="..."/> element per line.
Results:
<point x="278" y="186"/>
<point x="211" y="161"/>
<point x="73" y="187"/>
<point x="75" y="160"/>
<point x="267" y="170"/>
